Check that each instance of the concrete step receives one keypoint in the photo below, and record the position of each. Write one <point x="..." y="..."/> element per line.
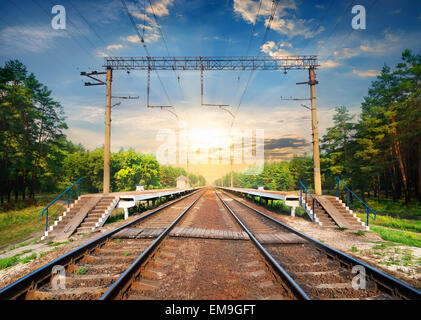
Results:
<point x="84" y="230"/>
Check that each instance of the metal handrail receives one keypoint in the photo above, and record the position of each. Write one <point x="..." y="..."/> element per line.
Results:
<point x="339" y="181"/>
<point x="67" y="201"/>
<point x="315" y="202"/>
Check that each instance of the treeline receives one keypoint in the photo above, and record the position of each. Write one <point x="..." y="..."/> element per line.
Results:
<point x="31" y="136"/>
<point x="127" y="168"/>
<point x="36" y="156"/>
<point x="378" y="154"/>
<point x="275" y="176"/>
<point x="381" y="152"/>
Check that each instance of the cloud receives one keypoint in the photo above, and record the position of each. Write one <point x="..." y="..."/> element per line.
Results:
<point x="274" y="50"/>
<point x="397" y="11"/>
<point x="284" y="148"/>
<point x="345" y="53"/>
<point x="371" y="49"/>
<point x="114" y="47"/>
<point x="160" y="8"/>
<point x="365" y="74"/>
<point x="149" y="26"/>
<point x="249" y="11"/>
<point x="329" y="64"/>
<point x="101" y="54"/>
<point x="294" y="27"/>
<point x="31" y="38"/>
<point x="216" y="38"/>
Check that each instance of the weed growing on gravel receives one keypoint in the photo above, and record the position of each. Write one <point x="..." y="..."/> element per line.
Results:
<point x="407" y="259"/>
<point x="81" y="270"/>
<point x="354" y="249"/>
<point x="127" y="254"/>
<point x="359" y="233"/>
<point x="9" y="262"/>
<point x="29" y="258"/>
<point x="44" y="253"/>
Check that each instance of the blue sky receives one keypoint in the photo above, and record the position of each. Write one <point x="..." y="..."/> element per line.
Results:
<point x="350" y="60"/>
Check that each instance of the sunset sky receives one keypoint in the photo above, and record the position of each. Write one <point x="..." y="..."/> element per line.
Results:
<point x="350" y="60"/>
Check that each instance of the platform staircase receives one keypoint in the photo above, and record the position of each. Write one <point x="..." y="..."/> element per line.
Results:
<point x="330" y="211"/>
<point x="86" y="214"/>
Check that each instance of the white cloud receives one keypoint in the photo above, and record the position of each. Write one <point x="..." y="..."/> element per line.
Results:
<point x="293" y="28"/>
<point x="101" y="54"/>
<point x="284" y="22"/>
<point x="114" y="47"/>
<point x="274" y="50"/>
<point x="345" y="53"/>
<point x="371" y="49"/>
<point x="160" y="8"/>
<point x="149" y="26"/>
<point x="218" y="39"/>
<point x="366" y="74"/>
<point x="329" y="64"/>
<point x="32" y="38"/>
<point x="248" y="9"/>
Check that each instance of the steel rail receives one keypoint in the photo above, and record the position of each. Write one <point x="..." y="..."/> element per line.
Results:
<point x="29" y="282"/>
<point x="296" y="289"/>
<point x="396" y="287"/>
<point x="122" y="284"/>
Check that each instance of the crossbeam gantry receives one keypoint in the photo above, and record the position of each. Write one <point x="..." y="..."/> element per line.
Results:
<point x="212" y="63"/>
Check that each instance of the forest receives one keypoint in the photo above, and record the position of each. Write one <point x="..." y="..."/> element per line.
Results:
<point x="37" y="157"/>
<point x="377" y="154"/>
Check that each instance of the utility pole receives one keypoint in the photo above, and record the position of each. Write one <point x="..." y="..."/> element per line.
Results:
<point x="107" y="144"/>
<point x="314" y="128"/>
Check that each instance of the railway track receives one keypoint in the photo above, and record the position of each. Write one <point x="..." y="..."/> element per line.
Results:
<point x="205" y="256"/>
<point x="206" y="245"/>
<point x="95" y="266"/>
<point x="320" y="271"/>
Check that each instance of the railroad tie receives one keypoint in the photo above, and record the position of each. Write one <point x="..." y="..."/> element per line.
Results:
<point x="206" y="233"/>
<point x="127" y="233"/>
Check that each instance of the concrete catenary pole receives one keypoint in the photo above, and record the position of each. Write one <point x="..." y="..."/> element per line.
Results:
<point x="231" y="162"/>
<point x="107" y="144"/>
<point x="315" y="133"/>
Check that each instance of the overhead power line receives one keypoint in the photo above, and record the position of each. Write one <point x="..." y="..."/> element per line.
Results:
<point x="142" y="40"/>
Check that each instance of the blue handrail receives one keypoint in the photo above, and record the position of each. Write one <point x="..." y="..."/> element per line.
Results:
<point x="68" y="195"/>
<point x="315" y="202"/>
<point x="339" y="182"/>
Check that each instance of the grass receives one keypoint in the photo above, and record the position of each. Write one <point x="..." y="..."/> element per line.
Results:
<point x="115" y="216"/>
<point x="81" y="270"/>
<point x="354" y="249"/>
<point x="16" y="225"/>
<point x="29" y="258"/>
<point x="13" y="260"/>
<point x="9" y="262"/>
<point x="395" y="223"/>
<point x="359" y="233"/>
<point x="388" y="206"/>
<point x="403" y="237"/>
